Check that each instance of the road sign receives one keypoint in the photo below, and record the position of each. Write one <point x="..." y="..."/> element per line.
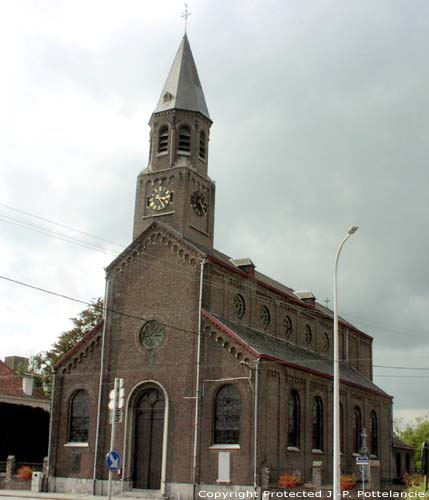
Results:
<point x="113" y="460"/>
<point x="362" y="461"/>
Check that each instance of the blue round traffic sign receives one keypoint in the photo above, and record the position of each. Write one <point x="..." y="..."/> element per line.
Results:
<point x="113" y="460"/>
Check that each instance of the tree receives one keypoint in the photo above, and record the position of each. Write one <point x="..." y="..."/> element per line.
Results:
<point x="415" y="434"/>
<point x="42" y="364"/>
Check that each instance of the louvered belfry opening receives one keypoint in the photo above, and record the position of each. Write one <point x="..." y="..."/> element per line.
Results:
<point x="184" y="139"/>
<point x="163" y="139"/>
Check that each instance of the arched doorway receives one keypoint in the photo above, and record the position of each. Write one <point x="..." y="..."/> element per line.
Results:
<point x="148" y="439"/>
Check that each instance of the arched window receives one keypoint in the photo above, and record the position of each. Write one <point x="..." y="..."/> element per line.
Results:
<point x="357" y="429"/>
<point x="317" y="424"/>
<point x="227" y="416"/>
<point x="202" y="150"/>
<point x="342" y="430"/>
<point x="374" y="433"/>
<point x="163" y="139"/>
<point x="184" y="139"/>
<point x="293" y="420"/>
<point x="79" y="417"/>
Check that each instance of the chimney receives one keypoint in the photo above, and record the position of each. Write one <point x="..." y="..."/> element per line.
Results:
<point x="27" y="385"/>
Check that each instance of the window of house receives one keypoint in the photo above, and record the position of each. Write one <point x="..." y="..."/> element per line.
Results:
<point x="227" y="416"/>
<point x="293" y="420"/>
<point x="374" y="434"/>
<point x="202" y="150"/>
<point x="342" y="430"/>
<point x="357" y="429"/>
<point x="79" y="417"/>
<point x="163" y="139"/>
<point x="184" y="139"/>
<point x="317" y="424"/>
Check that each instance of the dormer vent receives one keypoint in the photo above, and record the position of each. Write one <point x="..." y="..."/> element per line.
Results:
<point x="244" y="264"/>
<point x="306" y="296"/>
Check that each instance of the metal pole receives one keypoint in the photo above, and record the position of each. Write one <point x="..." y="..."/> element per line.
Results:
<point x="255" y="429"/>
<point x="100" y="388"/>
<point x="336" y="487"/>
<point x="197" y="381"/>
<point x="112" y="435"/>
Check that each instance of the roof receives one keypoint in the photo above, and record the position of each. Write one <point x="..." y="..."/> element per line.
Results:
<point x="89" y="334"/>
<point x="183" y="90"/>
<point x="278" y="350"/>
<point x="398" y="443"/>
<point x="276" y="286"/>
<point x="11" y="384"/>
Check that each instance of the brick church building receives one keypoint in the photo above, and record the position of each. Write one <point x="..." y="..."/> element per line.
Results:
<point x="227" y="372"/>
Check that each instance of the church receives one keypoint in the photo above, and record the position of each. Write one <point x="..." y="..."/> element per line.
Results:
<point x="228" y="374"/>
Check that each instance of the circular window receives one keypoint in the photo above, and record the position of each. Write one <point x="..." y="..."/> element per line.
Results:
<point x="238" y="305"/>
<point x="265" y="316"/>
<point x="325" y="342"/>
<point x="307" y="335"/>
<point x="287" y="326"/>
<point x="152" y="335"/>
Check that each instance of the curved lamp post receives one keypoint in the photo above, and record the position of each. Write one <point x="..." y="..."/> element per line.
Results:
<point x="336" y="444"/>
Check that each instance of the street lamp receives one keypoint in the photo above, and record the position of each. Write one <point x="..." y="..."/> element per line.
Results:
<point x="336" y="444"/>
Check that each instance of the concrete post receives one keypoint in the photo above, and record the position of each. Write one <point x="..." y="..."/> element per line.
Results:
<point x="10" y="467"/>
<point x="316" y="474"/>
<point x="374" y="475"/>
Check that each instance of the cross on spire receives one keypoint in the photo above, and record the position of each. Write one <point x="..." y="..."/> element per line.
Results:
<point x="185" y="15"/>
<point x="326" y="301"/>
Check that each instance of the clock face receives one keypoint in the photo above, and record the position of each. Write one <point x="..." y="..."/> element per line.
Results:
<point x="159" y="198"/>
<point x="152" y="335"/>
<point x="199" y="203"/>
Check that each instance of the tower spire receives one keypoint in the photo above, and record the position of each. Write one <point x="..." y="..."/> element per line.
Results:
<point x="182" y="89"/>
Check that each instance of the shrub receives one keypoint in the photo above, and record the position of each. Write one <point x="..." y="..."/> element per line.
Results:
<point x="287" y="480"/>
<point x="348" y="482"/>
<point x="24" y="473"/>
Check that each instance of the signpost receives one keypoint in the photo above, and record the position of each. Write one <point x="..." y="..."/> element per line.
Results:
<point x="116" y="403"/>
<point x="363" y="461"/>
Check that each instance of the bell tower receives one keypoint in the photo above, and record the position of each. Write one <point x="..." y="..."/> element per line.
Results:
<point x="175" y="187"/>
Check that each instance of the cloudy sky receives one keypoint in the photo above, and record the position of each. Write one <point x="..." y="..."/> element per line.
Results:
<point x="320" y="113"/>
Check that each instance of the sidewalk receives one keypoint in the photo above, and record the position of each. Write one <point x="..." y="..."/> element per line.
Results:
<point x="30" y="495"/>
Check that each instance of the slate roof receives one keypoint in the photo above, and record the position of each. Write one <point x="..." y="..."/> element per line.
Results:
<point x="183" y="89"/>
<point x="398" y="443"/>
<point x="11" y="384"/>
<point x="269" y="347"/>
<point x="277" y="286"/>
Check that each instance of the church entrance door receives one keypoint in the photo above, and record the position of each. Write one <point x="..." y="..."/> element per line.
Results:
<point x="148" y="434"/>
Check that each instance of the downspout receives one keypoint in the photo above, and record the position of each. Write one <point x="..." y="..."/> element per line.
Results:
<point x="100" y="387"/>
<point x="197" y="381"/>
<point x="51" y="420"/>
<point x="255" y="429"/>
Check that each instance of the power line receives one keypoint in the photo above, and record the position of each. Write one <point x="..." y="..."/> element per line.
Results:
<point x="61" y="225"/>
<point x="142" y="318"/>
<point x="164" y="267"/>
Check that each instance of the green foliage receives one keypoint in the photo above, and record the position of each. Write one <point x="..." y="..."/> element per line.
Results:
<point x="42" y="364"/>
<point x="415" y="434"/>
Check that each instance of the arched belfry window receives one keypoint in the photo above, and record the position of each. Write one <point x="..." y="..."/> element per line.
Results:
<point x="342" y="429"/>
<point x="374" y="434"/>
<point x="163" y="139"/>
<point x="357" y="429"/>
<point x="79" y="417"/>
<point x="184" y="139"/>
<point x="293" y="420"/>
<point x="317" y="424"/>
<point x="227" y="416"/>
<point x="203" y="147"/>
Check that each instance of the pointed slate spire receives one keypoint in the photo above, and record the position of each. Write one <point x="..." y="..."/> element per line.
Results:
<point x="183" y="90"/>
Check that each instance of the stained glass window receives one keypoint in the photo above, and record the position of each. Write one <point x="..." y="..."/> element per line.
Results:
<point x="317" y="424"/>
<point x="293" y="420"/>
<point x="227" y="416"/>
<point x="79" y="417"/>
